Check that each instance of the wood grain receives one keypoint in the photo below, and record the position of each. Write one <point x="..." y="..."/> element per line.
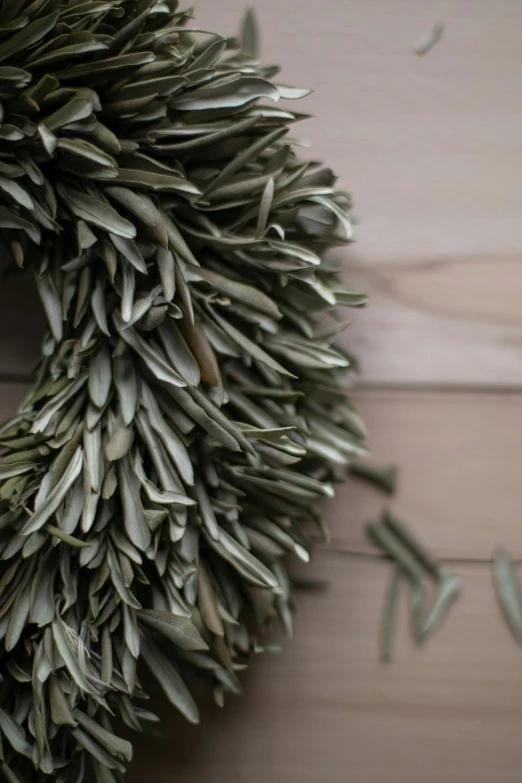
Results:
<point x="439" y="321"/>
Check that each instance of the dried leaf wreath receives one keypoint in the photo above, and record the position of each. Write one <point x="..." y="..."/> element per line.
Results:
<point x="189" y="410"/>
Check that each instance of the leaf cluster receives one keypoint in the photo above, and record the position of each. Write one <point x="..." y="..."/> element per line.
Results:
<point x="191" y="408"/>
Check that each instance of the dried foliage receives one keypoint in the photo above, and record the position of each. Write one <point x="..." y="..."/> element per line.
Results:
<point x="412" y="563"/>
<point x="190" y="409"/>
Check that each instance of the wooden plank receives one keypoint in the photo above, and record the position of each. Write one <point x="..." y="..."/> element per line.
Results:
<point x="459" y="458"/>
<point x="439" y="321"/>
<point x="326" y="710"/>
<point x="428" y="145"/>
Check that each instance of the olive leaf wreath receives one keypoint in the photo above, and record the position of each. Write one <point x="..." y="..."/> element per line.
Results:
<point x="189" y="410"/>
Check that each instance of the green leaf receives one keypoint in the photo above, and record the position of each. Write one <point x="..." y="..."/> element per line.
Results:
<point x="402" y="533"/>
<point x="114" y="745"/>
<point x="169" y="679"/>
<point x="243" y="561"/>
<point x="127" y="289"/>
<point x="98" y="304"/>
<point x="428" y="41"/>
<point x="166" y="497"/>
<point x="52" y="304"/>
<point x="133" y="517"/>
<point x="57" y="402"/>
<point x="66" y="538"/>
<point x="448" y="590"/>
<point x="86" y="150"/>
<point x="292" y="93"/>
<point x="118" y="581"/>
<point x="119" y="443"/>
<point x="92" y="450"/>
<point x="348" y="298"/>
<point x="250" y="34"/>
<point x="66" y="53"/>
<point x="95" y="212"/>
<point x="178" y="353"/>
<point x="18" y="616"/>
<point x="175" y="447"/>
<point x="8" y="773"/>
<point x="100" y="376"/>
<point x="43" y="609"/>
<point x="28" y="36"/>
<point x="103" y="774"/>
<point x="64" y="638"/>
<point x="142" y="307"/>
<point x="382" y="476"/>
<point x="158" y="366"/>
<point x="204" y="140"/>
<point x="176" y="241"/>
<point x="126" y="384"/>
<point x="209" y="56"/>
<point x="507" y="589"/>
<point x="226" y="96"/>
<point x="207" y="603"/>
<point x="162" y="86"/>
<point x="387" y="541"/>
<point x="417" y="600"/>
<point x="143" y="208"/>
<point x="61" y="712"/>
<point x="103" y="69"/>
<point x="138" y="178"/>
<point x="264" y="208"/>
<point x="55" y="496"/>
<point x="388" y="616"/>
<point x="205" y="510"/>
<point x="246" y="294"/>
<point x="99" y="753"/>
<point x="167" y="272"/>
<point x="130" y="251"/>
<point x="181" y="631"/>
<point x="48" y="139"/>
<point x="250" y="348"/>
<point x="15" y="734"/>
<point x="74" y="111"/>
<point x="244" y="157"/>
<point x="9" y="219"/>
<point x="17" y="192"/>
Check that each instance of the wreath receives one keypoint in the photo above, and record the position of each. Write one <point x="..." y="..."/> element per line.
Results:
<point x="190" y="410"/>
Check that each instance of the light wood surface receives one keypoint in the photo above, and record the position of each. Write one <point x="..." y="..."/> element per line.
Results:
<point x="431" y="149"/>
<point x="458" y="455"/>
<point x="440" y="321"/>
<point x="325" y="710"/>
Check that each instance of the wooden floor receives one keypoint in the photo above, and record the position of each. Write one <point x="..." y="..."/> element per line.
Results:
<point x="431" y="148"/>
